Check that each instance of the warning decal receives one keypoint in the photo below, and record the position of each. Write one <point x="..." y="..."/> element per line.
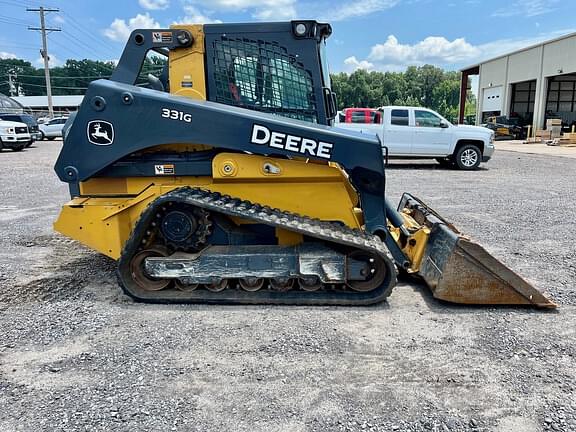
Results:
<point x="161" y="37"/>
<point x="166" y="169"/>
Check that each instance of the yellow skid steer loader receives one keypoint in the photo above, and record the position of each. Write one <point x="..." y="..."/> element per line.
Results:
<point x="223" y="181"/>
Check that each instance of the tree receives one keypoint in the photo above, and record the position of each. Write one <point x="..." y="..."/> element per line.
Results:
<point x="70" y="79"/>
<point x="26" y="78"/>
<point x="426" y="86"/>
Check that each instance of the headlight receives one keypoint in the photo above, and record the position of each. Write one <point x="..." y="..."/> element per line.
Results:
<point x="10" y="130"/>
<point x="491" y="138"/>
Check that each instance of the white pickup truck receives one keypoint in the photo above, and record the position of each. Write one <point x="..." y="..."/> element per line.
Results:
<point x="420" y="133"/>
<point x="14" y="135"/>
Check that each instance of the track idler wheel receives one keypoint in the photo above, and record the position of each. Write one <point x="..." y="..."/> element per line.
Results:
<point x="251" y="284"/>
<point x="281" y="284"/>
<point x="217" y="286"/>
<point x="186" y="287"/>
<point x="138" y="272"/>
<point x="374" y="271"/>
<point x="310" y="283"/>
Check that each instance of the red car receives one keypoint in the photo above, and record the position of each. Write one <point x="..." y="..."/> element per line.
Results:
<point x="360" y="115"/>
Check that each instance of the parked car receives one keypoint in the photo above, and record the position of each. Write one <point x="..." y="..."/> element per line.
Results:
<point x="420" y="133"/>
<point x="30" y="122"/>
<point x="53" y="128"/>
<point x="14" y="135"/>
<point x="359" y="115"/>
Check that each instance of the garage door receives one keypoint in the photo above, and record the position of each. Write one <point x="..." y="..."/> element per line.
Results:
<point x="561" y="100"/>
<point x="492" y="100"/>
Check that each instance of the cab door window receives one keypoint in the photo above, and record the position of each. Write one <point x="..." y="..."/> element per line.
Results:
<point x="399" y="117"/>
<point x="262" y="76"/>
<point x="427" y="119"/>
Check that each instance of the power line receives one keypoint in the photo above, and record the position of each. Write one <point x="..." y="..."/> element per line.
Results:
<point x="12" y="23"/>
<point x="23" y="46"/>
<point x="78" y="43"/>
<point x="68" y="48"/>
<point x="14" y="20"/>
<point x="76" y="39"/>
<point x="68" y="77"/>
<point x="82" y="30"/>
<point x="56" y="87"/>
<point x="14" y="3"/>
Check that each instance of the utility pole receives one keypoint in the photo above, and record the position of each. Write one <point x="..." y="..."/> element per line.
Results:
<point x="11" y="86"/>
<point x="44" y="52"/>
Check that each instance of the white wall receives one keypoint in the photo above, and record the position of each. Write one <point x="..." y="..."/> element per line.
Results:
<point x="525" y="65"/>
<point x="560" y="55"/>
<point x="493" y="73"/>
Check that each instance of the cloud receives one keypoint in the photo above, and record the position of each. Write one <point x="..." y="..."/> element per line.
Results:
<point x="194" y="16"/>
<point x="52" y="62"/>
<point x="393" y="55"/>
<point x="352" y="64"/>
<point x="59" y="19"/>
<point x="154" y="4"/>
<point x="526" y="8"/>
<point x="6" y="55"/>
<point x="120" y="30"/>
<point x="433" y="49"/>
<point x="355" y="9"/>
<point x="259" y="9"/>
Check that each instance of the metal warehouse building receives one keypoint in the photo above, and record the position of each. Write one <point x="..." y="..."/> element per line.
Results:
<point x="532" y="84"/>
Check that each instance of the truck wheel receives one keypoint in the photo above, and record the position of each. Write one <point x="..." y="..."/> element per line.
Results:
<point x="468" y="157"/>
<point x="445" y="162"/>
<point x="43" y="136"/>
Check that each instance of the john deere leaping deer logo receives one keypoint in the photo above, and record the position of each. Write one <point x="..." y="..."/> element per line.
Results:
<point x="100" y="132"/>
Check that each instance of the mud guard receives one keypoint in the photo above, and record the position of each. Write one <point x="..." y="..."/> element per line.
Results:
<point x="459" y="270"/>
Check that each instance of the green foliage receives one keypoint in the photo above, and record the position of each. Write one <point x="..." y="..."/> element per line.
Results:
<point x="70" y="79"/>
<point x="426" y="86"/>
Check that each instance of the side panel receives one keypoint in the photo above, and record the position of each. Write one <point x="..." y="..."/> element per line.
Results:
<point x="104" y="223"/>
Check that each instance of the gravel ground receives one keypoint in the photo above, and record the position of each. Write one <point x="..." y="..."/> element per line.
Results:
<point x="76" y="354"/>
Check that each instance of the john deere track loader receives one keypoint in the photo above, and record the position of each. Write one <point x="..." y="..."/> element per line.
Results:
<point x="224" y="182"/>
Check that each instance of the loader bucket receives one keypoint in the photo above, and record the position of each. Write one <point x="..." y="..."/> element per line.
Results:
<point x="459" y="270"/>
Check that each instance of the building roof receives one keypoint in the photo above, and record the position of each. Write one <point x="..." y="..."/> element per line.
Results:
<point x="42" y="101"/>
<point x="529" y="47"/>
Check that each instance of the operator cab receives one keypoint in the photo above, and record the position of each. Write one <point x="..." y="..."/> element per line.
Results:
<point x="277" y="68"/>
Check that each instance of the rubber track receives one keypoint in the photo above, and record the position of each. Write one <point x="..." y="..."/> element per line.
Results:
<point x="229" y="206"/>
